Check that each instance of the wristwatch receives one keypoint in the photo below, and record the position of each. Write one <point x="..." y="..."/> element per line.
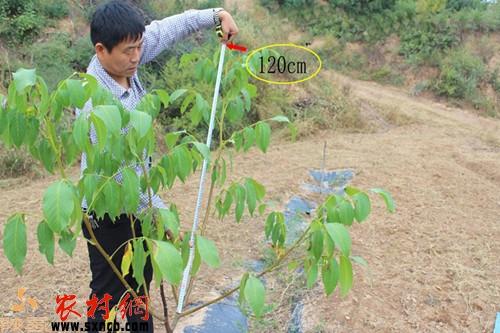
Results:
<point x="216" y="16"/>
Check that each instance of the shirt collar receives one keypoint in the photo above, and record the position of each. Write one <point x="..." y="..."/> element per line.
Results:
<point x="109" y="82"/>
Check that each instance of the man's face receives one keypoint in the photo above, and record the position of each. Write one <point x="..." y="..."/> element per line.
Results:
<point x="123" y="59"/>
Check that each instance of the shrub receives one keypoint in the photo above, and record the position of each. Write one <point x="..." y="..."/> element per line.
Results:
<point x="43" y="54"/>
<point x="13" y="8"/>
<point x="72" y="56"/>
<point x="15" y="162"/>
<point x="363" y="7"/>
<point x="80" y="53"/>
<point x="460" y="75"/>
<point x="55" y="9"/>
<point x="431" y="34"/>
<point x="495" y="80"/>
<point x="462" y="4"/>
<point x="22" y="28"/>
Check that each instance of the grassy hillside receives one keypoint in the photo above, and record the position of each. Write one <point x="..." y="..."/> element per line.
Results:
<point x="448" y="49"/>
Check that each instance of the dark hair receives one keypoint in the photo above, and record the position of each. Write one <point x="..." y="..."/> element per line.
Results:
<point x="114" y="22"/>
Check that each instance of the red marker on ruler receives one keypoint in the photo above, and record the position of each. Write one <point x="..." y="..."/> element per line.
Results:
<point x="232" y="46"/>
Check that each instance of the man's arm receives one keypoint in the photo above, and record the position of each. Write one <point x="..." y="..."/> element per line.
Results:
<point x="161" y="34"/>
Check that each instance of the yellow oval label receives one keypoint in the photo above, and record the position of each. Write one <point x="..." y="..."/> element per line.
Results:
<point x="279" y="65"/>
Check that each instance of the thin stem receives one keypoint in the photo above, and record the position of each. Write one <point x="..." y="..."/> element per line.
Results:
<point x="230" y="292"/>
<point x="132" y="224"/>
<point x="221" y="122"/>
<point x="123" y="244"/>
<point x="114" y="268"/>
<point x="165" y="309"/>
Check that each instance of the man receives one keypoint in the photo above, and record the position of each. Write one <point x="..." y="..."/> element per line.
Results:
<point x="122" y="42"/>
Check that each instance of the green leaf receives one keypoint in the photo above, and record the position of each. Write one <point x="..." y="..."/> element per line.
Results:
<point x="234" y="112"/>
<point x="203" y="149"/>
<point x="89" y="83"/>
<point x="24" y="78"/>
<point x="170" y="262"/>
<point x="67" y="242"/>
<point x="270" y="221"/>
<point x="255" y="295"/>
<point x="157" y="274"/>
<point x="243" y="282"/>
<point x="223" y="173"/>
<point x="263" y="135"/>
<point x="249" y="137"/>
<point x="228" y="201"/>
<point x="14" y="241"/>
<point x="127" y="260"/>
<point x="330" y="275"/>
<point x="312" y="275"/>
<point x="89" y="185"/>
<point x="389" y="203"/>
<point x="141" y="122"/>
<point x="281" y="119"/>
<point x="47" y="155"/>
<point x="208" y="251"/>
<point x="81" y="132"/>
<point x="252" y="89"/>
<point x="17" y="129"/>
<point x="58" y="205"/>
<point x="262" y="208"/>
<point x="176" y="94"/>
<point x="329" y="246"/>
<point x="260" y="190"/>
<point x="196" y="263"/>
<point x="317" y="243"/>
<point x="170" y="221"/>
<point x="195" y="115"/>
<point x="77" y="95"/>
<point x="112" y="195"/>
<point x="248" y="99"/>
<point x="340" y="236"/>
<point x="32" y="131"/>
<point x="238" y="140"/>
<point x="171" y="139"/>
<point x="359" y="260"/>
<point x="187" y="101"/>
<point x="251" y="196"/>
<point x="164" y="97"/>
<point x="351" y="191"/>
<point x="240" y="201"/>
<point x="131" y="187"/>
<point x="183" y="162"/>
<point x="70" y="149"/>
<point x="345" y="276"/>
<point x="110" y="116"/>
<point x="101" y="131"/>
<point x="138" y="261"/>
<point x="362" y="206"/>
<point x="346" y="212"/>
<point x="46" y="241"/>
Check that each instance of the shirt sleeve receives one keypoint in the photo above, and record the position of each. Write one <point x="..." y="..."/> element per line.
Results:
<point x="162" y="34"/>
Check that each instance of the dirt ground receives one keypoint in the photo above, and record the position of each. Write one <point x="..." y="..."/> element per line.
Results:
<point x="433" y="265"/>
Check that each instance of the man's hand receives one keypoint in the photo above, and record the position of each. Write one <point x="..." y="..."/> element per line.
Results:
<point x="228" y="25"/>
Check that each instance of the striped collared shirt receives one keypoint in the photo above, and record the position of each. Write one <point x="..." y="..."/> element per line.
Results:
<point x="158" y="36"/>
